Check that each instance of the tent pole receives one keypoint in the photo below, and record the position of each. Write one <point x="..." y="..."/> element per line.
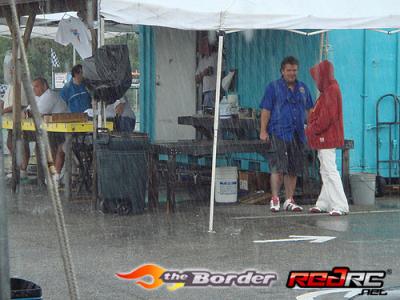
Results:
<point x="216" y="119"/>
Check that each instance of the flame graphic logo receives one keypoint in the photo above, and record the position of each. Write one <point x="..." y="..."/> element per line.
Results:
<point x="153" y="271"/>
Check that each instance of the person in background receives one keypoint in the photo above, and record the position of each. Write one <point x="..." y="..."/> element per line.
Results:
<point x="121" y="111"/>
<point x="283" y="114"/>
<point x="206" y="72"/>
<point x="325" y="133"/>
<point x="125" y="117"/>
<point x="50" y="102"/>
<point x="75" y="93"/>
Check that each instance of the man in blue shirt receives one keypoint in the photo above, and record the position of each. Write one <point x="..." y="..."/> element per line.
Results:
<point x="284" y="109"/>
<point x="75" y="93"/>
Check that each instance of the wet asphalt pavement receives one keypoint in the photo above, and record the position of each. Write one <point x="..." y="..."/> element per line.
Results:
<point x="103" y="245"/>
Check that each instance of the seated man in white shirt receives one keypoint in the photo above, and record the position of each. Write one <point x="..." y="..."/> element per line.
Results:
<point x="121" y="112"/>
<point x="125" y="119"/>
<point x="50" y="102"/>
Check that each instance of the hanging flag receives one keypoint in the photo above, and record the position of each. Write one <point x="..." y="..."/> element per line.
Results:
<point x="54" y="58"/>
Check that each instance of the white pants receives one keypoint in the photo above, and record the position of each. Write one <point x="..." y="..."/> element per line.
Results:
<point x="332" y="195"/>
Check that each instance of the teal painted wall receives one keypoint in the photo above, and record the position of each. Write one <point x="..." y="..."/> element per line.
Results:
<point x="366" y="67"/>
<point x="258" y="62"/>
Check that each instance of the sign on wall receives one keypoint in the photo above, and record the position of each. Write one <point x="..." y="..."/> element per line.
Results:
<point x="60" y="79"/>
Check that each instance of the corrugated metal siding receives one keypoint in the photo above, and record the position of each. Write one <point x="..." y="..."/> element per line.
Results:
<point x="258" y="62"/>
<point x="366" y="68"/>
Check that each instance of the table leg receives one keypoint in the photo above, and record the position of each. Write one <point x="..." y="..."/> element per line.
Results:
<point x="40" y="171"/>
<point x="171" y="182"/>
<point x="346" y="171"/>
<point x="204" y="132"/>
<point x="152" y="194"/>
<point x="68" y="165"/>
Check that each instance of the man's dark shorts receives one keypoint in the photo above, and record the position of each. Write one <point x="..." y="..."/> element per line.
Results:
<point x="287" y="157"/>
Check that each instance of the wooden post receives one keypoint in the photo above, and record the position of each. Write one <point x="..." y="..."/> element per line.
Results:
<point x="89" y="15"/>
<point x="16" y="110"/>
<point x="95" y="192"/>
<point x="17" y="132"/>
<point x="152" y="195"/>
<point x="29" y="28"/>
<point x="68" y="165"/>
<point x="348" y="145"/>
<point x="345" y="171"/>
<point x="171" y="182"/>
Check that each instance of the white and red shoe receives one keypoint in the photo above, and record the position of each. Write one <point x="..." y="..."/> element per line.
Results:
<point x="290" y="205"/>
<point x="275" y="204"/>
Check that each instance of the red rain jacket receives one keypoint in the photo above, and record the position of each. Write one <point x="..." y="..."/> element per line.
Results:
<point x="325" y="122"/>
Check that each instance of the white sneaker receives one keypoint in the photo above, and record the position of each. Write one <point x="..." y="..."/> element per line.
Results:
<point x="290" y="205"/>
<point x="274" y="204"/>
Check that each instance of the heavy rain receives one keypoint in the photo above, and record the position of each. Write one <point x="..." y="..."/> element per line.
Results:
<point x="232" y="149"/>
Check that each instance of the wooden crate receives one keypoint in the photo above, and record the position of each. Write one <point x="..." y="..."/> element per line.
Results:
<point x="263" y="181"/>
<point x="247" y="181"/>
<point x="66" y="118"/>
<point x="259" y="198"/>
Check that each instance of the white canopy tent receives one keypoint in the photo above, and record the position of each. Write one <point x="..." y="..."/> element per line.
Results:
<point x="46" y="26"/>
<point x="255" y="14"/>
<point x="232" y="15"/>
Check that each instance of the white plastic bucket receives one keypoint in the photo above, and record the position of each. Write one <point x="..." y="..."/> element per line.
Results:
<point x="363" y="188"/>
<point x="226" y="184"/>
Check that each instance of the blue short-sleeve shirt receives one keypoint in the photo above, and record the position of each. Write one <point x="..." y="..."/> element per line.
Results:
<point x="77" y="97"/>
<point x="288" y="109"/>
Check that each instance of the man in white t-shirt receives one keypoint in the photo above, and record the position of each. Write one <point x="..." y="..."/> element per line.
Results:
<point x="50" y="102"/>
<point x="206" y="72"/>
<point x="125" y="119"/>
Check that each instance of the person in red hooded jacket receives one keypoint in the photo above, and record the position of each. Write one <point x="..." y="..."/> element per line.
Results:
<point x="325" y="133"/>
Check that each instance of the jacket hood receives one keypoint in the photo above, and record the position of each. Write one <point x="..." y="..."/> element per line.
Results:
<point x="322" y="74"/>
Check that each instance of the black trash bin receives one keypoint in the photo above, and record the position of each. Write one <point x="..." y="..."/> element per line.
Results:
<point x="121" y="162"/>
<point x="25" y="290"/>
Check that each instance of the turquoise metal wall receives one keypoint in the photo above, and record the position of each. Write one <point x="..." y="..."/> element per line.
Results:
<point x="147" y="79"/>
<point x="258" y="62"/>
<point x="366" y="67"/>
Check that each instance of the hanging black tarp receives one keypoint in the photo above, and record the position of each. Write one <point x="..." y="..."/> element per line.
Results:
<point x="107" y="73"/>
